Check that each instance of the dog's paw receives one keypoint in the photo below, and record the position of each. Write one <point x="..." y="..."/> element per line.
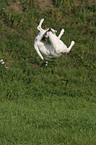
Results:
<point x="42" y="20"/>
<point x="62" y="30"/>
<point x="72" y="42"/>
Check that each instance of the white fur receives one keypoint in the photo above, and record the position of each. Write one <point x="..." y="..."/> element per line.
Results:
<point x="57" y="46"/>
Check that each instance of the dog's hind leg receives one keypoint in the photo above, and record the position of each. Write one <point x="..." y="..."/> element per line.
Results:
<point x="72" y="43"/>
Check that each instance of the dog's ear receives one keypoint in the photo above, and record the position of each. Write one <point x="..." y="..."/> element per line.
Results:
<point x="44" y="38"/>
<point x="54" y="31"/>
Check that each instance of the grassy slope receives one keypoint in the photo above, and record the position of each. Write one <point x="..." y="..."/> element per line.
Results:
<point x="53" y="105"/>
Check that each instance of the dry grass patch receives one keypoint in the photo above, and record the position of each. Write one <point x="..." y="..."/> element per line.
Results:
<point x="44" y="4"/>
<point x="16" y="6"/>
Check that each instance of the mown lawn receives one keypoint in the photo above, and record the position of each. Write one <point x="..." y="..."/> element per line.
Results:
<point x="51" y="120"/>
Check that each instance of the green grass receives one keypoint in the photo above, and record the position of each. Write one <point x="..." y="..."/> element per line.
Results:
<point x="52" y="120"/>
<point x="54" y="104"/>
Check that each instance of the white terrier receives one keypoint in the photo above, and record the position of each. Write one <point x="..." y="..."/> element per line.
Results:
<point x="55" y="49"/>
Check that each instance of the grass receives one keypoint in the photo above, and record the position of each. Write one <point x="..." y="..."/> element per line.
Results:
<point x="55" y="120"/>
<point x="54" y="104"/>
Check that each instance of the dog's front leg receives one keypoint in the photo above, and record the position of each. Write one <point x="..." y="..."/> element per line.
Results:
<point x="61" y="33"/>
<point x="39" y="26"/>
